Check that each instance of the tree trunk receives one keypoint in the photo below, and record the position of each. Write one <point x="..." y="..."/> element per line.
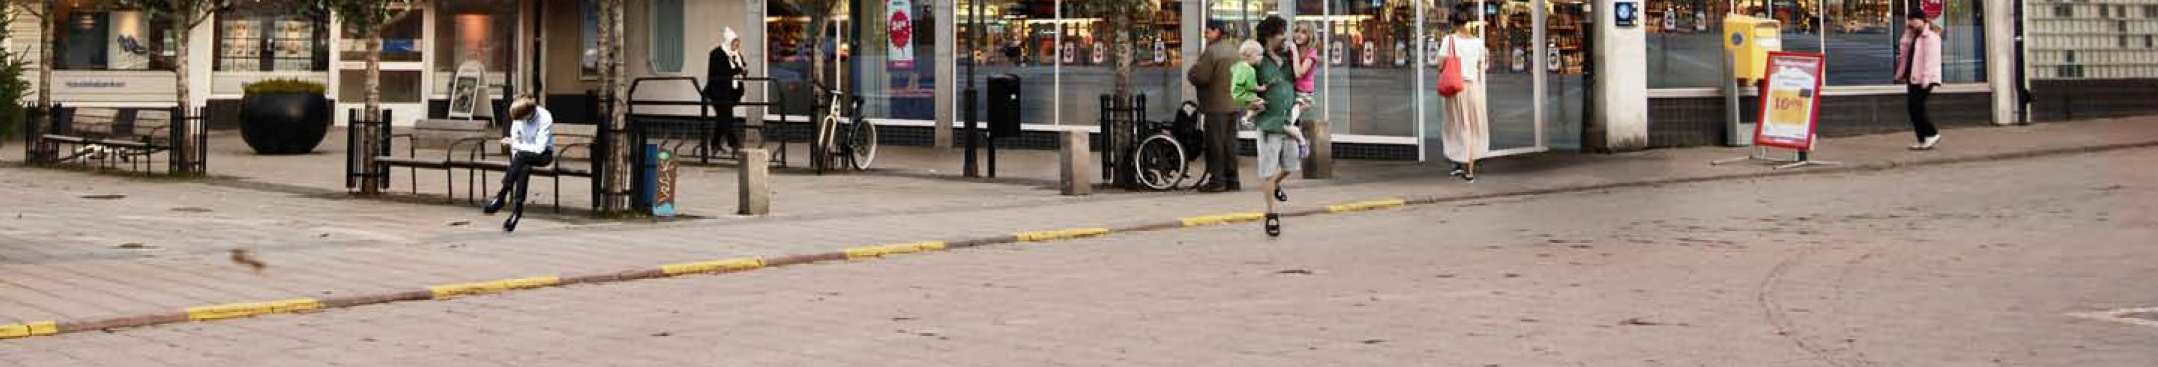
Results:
<point x="45" y="58"/>
<point x="44" y="79"/>
<point x="370" y="111"/>
<point x="183" y="148"/>
<point x="615" y="81"/>
<point x="1125" y="129"/>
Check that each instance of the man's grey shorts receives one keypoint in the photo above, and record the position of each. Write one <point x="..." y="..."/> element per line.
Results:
<point x="1277" y="154"/>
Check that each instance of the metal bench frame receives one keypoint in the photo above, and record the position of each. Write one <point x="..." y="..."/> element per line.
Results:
<point x="45" y="145"/>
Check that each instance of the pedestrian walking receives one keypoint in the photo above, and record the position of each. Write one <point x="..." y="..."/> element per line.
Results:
<point x="723" y="85"/>
<point x="1278" y="155"/>
<point x="1918" y="68"/>
<point x="531" y="144"/>
<point x="1466" y="134"/>
<point x="1212" y="75"/>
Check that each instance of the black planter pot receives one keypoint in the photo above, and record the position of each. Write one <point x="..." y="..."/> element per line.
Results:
<point x="284" y="123"/>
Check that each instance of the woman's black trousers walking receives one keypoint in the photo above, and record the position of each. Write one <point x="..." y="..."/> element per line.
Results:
<point x="1920" y="123"/>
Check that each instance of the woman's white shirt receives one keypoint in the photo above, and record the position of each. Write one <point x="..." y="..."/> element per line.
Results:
<point x="1471" y="51"/>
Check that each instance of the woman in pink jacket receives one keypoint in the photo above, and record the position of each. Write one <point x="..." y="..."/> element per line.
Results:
<point x="1918" y="66"/>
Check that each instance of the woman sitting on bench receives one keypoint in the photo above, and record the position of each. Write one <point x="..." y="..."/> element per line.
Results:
<point x="531" y="144"/>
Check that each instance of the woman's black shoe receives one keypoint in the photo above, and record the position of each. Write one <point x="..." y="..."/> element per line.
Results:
<point x="1273" y="224"/>
<point x="493" y="205"/>
<point x="1458" y="170"/>
<point x="1279" y="195"/>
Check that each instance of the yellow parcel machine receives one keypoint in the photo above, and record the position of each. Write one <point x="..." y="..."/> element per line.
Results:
<point x="1748" y="40"/>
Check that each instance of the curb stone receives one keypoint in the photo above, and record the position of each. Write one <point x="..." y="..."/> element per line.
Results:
<point x="866" y="253"/>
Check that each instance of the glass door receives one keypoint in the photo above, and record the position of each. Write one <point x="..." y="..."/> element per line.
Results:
<point x="1568" y="62"/>
<point x="404" y="60"/>
<point x="1516" y="48"/>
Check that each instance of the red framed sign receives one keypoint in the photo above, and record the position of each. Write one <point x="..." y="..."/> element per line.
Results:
<point x="1790" y="101"/>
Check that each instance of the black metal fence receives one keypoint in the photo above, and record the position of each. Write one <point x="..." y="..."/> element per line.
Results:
<point x="358" y="164"/>
<point x="1119" y="128"/>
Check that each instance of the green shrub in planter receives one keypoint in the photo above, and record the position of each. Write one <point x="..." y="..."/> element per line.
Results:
<point x="290" y="86"/>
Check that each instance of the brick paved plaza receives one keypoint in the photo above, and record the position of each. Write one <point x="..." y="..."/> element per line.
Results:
<point x="1982" y="253"/>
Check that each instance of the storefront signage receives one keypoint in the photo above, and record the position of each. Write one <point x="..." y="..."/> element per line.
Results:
<point x="900" y="25"/>
<point x="96" y="84"/>
<point x="1790" y="104"/>
<point x="400" y="45"/>
<point x="1626" y="13"/>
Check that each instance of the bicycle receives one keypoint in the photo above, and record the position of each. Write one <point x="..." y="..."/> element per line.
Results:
<point x="1162" y="160"/>
<point x="842" y="135"/>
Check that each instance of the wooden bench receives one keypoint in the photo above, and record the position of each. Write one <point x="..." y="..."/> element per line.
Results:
<point x="476" y="160"/>
<point x="99" y="133"/>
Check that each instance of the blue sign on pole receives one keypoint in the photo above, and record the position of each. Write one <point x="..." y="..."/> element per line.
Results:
<point x="1626" y="13"/>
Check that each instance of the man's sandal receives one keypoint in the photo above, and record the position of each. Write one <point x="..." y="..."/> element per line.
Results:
<point x="1273" y="224"/>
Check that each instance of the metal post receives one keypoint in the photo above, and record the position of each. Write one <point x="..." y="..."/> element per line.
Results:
<point x="974" y="44"/>
<point x="973" y="136"/>
<point x="1109" y="149"/>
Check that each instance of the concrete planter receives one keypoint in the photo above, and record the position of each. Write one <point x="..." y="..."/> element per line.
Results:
<point x="284" y="123"/>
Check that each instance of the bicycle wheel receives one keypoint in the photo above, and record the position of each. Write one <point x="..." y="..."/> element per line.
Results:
<point x="1158" y="163"/>
<point x="861" y="143"/>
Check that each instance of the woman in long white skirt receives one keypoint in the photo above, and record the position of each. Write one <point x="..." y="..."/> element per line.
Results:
<point x="1466" y="134"/>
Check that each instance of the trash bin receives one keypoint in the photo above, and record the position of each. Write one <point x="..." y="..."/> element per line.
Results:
<point x="656" y="181"/>
<point x="1003" y="105"/>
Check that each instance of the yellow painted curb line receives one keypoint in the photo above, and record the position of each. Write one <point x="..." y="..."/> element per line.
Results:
<point x="40" y="328"/>
<point x="1366" y="205"/>
<point x="465" y="289"/>
<point x="893" y="249"/>
<point x="715" y="266"/>
<point x="1060" y="234"/>
<point x="1222" y="218"/>
<point x="249" y="309"/>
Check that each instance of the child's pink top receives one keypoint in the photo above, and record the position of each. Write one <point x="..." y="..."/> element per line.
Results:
<point x="1304" y="82"/>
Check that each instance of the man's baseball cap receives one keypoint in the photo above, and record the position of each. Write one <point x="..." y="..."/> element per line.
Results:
<point x="1217" y="25"/>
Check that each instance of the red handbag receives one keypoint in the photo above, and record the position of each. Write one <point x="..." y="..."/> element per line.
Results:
<point x="1450" y="82"/>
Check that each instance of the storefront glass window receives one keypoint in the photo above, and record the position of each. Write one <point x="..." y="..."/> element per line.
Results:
<point x="1018" y="38"/>
<point x="893" y="64"/>
<point x="1858" y="37"/>
<point x="1685" y="47"/>
<point x="1242" y="16"/>
<point x="1089" y="62"/>
<point x="588" y="59"/>
<point x="667" y="43"/>
<point x="400" y="41"/>
<point x="1963" y="44"/>
<point x="1370" y="78"/>
<point x="270" y="36"/>
<point x="114" y="39"/>
<point x="1801" y="20"/>
<point x="1862" y="41"/>
<point x="475" y="31"/>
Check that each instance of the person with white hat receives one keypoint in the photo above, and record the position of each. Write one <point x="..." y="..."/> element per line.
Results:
<point x="723" y="85"/>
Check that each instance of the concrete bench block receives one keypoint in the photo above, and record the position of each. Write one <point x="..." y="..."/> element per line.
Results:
<point x="755" y="197"/>
<point x="1321" y="162"/>
<point x="1074" y="163"/>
